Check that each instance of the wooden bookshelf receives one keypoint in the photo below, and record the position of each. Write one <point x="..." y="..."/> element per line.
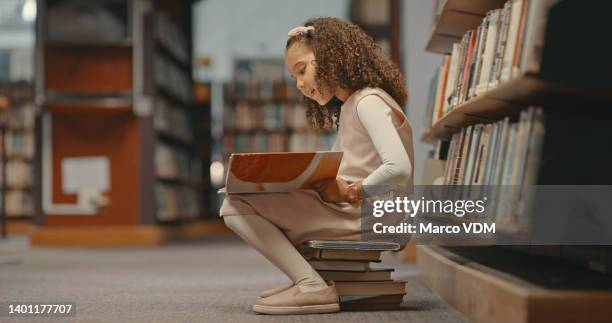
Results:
<point x="104" y="97"/>
<point x="16" y="101"/>
<point x="19" y="225"/>
<point x="487" y="294"/>
<point x="508" y="99"/>
<point x="122" y="236"/>
<point x="454" y="18"/>
<point x="553" y="283"/>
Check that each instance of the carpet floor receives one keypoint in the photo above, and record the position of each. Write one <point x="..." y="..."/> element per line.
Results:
<point x="210" y="280"/>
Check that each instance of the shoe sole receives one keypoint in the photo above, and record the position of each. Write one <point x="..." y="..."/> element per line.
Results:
<point x="308" y="309"/>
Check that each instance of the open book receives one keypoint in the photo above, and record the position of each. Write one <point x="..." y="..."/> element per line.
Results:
<point x="279" y="172"/>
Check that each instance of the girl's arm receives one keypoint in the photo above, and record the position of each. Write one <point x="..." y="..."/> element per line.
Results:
<point x="377" y="118"/>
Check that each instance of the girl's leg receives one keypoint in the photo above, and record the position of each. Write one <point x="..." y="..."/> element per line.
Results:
<point x="272" y="243"/>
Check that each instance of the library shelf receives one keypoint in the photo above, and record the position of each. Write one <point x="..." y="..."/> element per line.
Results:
<point x="167" y="93"/>
<point x="126" y="236"/>
<point x="75" y="100"/>
<point x="17" y="157"/>
<point x="86" y="87"/>
<point x="19" y="225"/>
<point x="181" y="181"/>
<point x="455" y="18"/>
<point x="488" y="288"/>
<point x="507" y="100"/>
<point x="518" y="280"/>
<point x="166" y="52"/>
<point x="175" y="138"/>
<point x="232" y="100"/>
<point x="125" y="43"/>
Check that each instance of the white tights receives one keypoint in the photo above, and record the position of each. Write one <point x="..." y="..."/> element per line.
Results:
<point x="272" y="243"/>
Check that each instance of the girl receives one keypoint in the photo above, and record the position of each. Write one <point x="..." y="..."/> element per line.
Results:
<point x="346" y="81"/>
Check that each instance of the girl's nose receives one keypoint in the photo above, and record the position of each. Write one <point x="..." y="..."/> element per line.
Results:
<point x="300" y="85"/>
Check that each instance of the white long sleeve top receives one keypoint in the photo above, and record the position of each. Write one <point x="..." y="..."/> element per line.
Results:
<point x="380" y="123"/>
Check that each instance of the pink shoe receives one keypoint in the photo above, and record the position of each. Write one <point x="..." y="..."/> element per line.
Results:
<point x="294" y="301"/>
<point x="272" y="291"/>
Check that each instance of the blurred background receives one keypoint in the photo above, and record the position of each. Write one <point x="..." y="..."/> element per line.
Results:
<point x="117" y="118"/>
<point x="136" y="105"/>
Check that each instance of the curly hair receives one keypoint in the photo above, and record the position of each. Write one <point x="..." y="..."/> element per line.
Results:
<point x="346" y="57"/>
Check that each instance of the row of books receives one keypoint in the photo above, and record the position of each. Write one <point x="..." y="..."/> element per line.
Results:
<point x="19" y="144"/>
<point x="176" y="202"/>
<point x="19" y="150"/>
<point x="22" y="116"/>
<point x="501" y="154"/>
<point x="171" y="37"/>
<point x="348" y="264"/>
<point x="171" y="78"/>
<point x="279" y="141"/>
<point x="172" y="119"/>
<point x="19" y="203"/>
<point x="176" y="164"/>
<point x="486" y="56"/>
<point x="497" y="153"/>
<point x="269" y="116"/>
<point x="19" y="174"/>
<point x="258" y="89"/>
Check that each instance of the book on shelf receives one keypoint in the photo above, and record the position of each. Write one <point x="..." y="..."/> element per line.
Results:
<point x="176" y="163"/>
<point x="176" y="202"/>
<point x="279" y="172"/>
<point x="172" y="119"/>
<point x="19" y="174"/>
<point x="19" y="144"/>
<point x="503" y="154"/>
<point x="18" y="203"/>
<point x="374" y="274"/>
<point x="170" y="36"/>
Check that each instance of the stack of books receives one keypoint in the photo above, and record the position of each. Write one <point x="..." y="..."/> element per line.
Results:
<point x="347" y="264"/>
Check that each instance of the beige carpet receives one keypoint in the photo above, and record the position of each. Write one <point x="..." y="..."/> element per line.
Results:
<point x="213" y="280"/>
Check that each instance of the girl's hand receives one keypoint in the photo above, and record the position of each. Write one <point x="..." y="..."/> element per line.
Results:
<point x="332" y="190"/>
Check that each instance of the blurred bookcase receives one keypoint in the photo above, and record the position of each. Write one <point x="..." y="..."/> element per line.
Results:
<point x="512" y="70"/>
<point x="17" y="101"/>
<point x="381" y="19"/>
<point x="263" y="112"/>
<point x="117" y="86"/>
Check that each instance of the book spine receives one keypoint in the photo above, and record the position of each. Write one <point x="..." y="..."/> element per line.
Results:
<point x="489" y="52"/>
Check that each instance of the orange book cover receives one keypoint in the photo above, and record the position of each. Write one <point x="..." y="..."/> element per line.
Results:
<point x="279" y="171"/>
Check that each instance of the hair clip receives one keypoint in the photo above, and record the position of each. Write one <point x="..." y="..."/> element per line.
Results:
<point x="301" y="30"/>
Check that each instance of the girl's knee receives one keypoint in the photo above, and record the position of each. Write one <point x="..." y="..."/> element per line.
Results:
<point x="230" y="221"/>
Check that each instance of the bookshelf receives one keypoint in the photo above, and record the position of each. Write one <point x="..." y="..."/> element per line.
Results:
<point x="381" y="20"/>
<point x="17" y="104"/>
<point x="452" y="18"/>
<point x="116" y="97"/>
<point x="574" y="105"/>
<point x="508" y="100"/>
<point x="263" y="112"/>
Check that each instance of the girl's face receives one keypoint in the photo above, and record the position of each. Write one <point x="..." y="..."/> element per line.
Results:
<point x="300" y="61"/>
